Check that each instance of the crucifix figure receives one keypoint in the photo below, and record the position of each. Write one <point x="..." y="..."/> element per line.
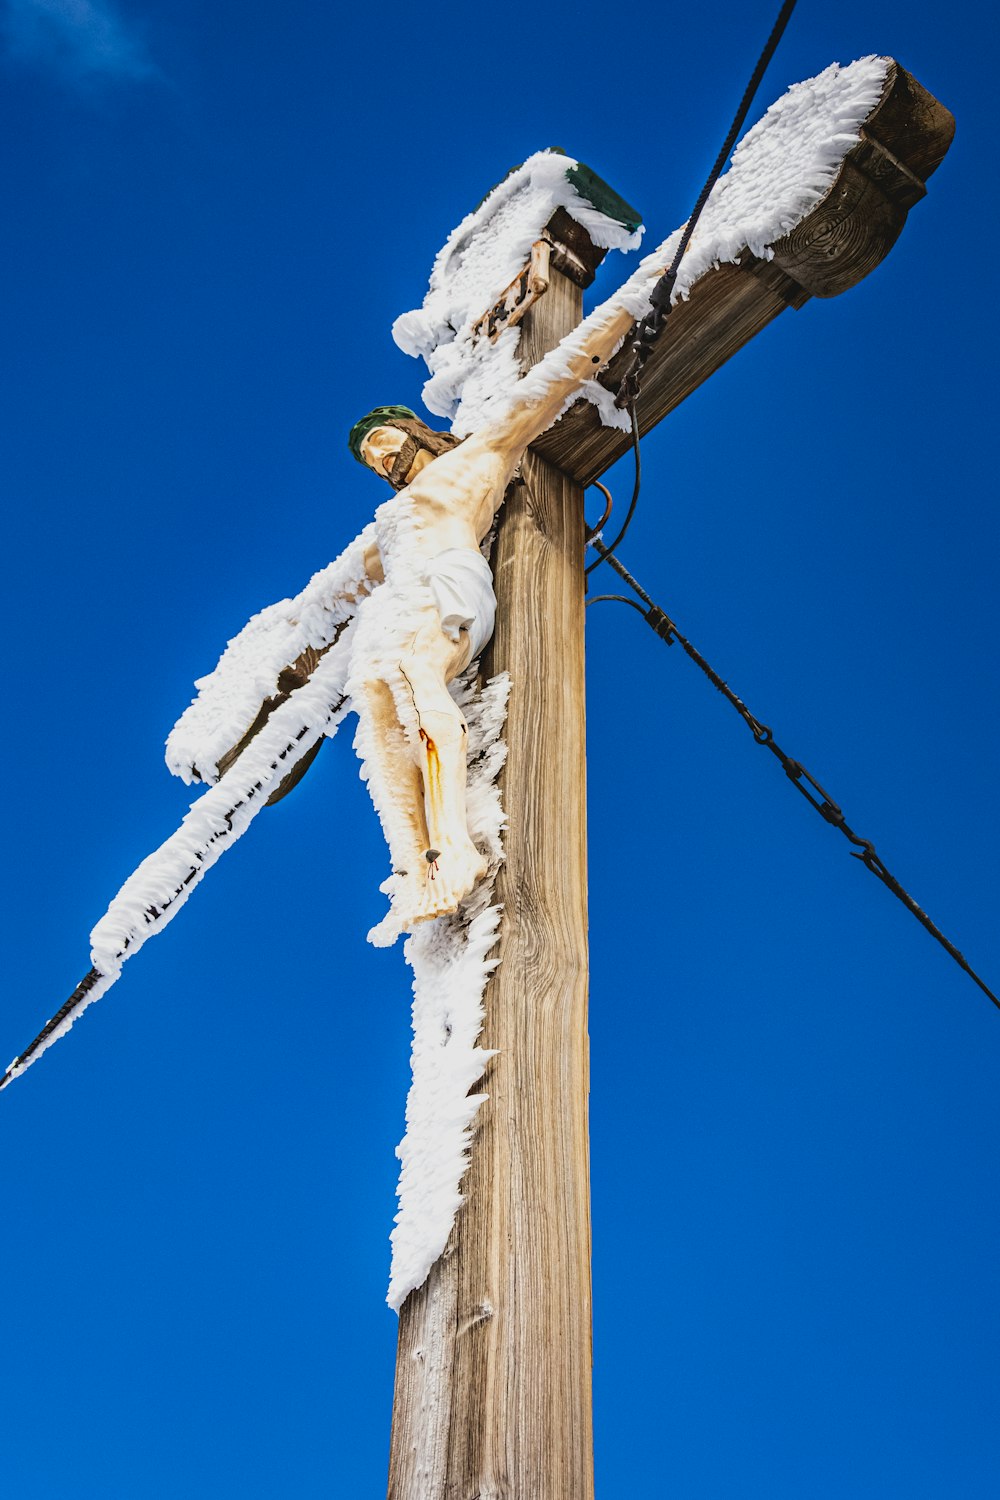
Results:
<point x="494" y="1368"/>
<point x="432" y="614"/>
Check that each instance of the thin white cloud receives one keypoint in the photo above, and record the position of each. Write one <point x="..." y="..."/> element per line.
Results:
<point x="81" y="39"/>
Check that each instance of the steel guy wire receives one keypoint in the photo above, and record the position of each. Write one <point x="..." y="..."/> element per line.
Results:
<point x="649" y="330"/>
<point x="612" y="546"/>
<point x="803" y="781"/>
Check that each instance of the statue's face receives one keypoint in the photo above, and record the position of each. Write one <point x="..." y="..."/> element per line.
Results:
<point x="380" y="447"/>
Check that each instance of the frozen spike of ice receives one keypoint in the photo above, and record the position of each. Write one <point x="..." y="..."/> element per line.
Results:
<point x="477" y="263"/>
<point x="165" y="880"/>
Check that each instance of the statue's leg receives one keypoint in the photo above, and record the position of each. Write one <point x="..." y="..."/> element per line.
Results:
<point x="437" y="733"/>
<point x="396" y="789"/>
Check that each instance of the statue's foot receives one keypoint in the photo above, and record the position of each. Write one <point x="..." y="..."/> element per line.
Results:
<point x="435" y="891"/>
<point x="452" y="875"/>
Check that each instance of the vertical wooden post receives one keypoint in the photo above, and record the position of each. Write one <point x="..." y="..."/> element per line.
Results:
<point x="493" y="1373"/>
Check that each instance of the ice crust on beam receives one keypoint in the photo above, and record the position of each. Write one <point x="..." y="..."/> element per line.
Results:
<point x="15" y="1069"/>
<point x="155" y="892"/>
<point x="229" y="697"/>
<point x="165" y="879"/>
<point x="477" y="263"/>
<point x="448" y="957"/>
<point x="320" y="616"/>
<point x="781" y="170"/>
<point x="450" y="969"/>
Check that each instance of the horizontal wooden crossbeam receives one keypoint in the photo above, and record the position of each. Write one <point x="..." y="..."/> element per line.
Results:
<point x="903" y="141"/>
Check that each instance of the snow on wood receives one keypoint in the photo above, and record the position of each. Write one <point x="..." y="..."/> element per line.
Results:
<point x="155" y="892"/>
<point x="247" y="673"/>
<point x="450" y="969"/>
<point x="781" y="170"/>
<point x="163" y="882"/>
<point x="479" y="260"/>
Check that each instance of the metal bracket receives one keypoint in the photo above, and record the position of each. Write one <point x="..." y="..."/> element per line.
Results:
<point x="524" y="290"/>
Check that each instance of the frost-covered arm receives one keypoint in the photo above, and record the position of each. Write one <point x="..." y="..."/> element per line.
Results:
<point x="544" y="392"/>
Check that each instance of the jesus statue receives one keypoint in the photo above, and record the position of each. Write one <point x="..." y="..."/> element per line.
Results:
<point x="433" y="613"/>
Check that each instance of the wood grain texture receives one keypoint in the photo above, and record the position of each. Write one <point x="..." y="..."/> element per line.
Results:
<point x="493" y="1376"/>
<point x="903" y="141"/>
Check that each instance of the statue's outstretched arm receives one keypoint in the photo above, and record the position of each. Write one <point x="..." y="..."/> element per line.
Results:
<point x="543" y="393"/>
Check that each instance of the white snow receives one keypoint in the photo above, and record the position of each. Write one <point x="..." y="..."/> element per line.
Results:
<point x="230" y="695"/>
<point x="478" y="262"/>
<point x="163" y="882"/>
<point x="780" y="171"/>
<point x="104" y="983"/>
<point x="155" y="892"/>
<point x="450" y="969"/>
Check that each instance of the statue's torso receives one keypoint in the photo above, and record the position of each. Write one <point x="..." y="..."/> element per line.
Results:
<point x="452" y="502"/>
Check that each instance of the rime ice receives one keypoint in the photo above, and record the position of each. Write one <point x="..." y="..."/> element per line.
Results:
<point x="247" y="672"/>
<point x="479" y="260"/>
<point x="780" y="172"/>
<point x="450" y="969"/>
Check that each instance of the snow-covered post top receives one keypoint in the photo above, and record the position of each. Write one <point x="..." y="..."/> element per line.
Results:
<point x="791" y="162"/>
<point x="551" y="197"/>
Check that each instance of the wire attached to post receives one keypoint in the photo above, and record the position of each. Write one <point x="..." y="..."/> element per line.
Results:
<point x="816" y="795"/>
<point x="608" y="550"/>
<point x="649" y="329"/>
<point x="652" y="325"/>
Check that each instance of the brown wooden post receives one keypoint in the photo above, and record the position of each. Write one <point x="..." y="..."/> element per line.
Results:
<point x="493" y="1373"/>
<point x="494" y="1363"/>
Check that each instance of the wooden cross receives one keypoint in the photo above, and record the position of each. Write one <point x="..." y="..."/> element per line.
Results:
<point x="493" y="1374"/>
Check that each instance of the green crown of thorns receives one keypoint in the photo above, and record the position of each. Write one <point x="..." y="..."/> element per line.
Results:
<point x="382" y="416"/>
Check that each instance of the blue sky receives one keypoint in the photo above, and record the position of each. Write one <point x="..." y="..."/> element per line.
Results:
<point x="214" y="215"/>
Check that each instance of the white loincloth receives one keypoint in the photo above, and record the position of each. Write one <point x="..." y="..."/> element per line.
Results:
<point x="462" y="586"/>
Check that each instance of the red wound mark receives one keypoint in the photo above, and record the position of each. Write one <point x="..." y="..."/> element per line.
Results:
<point x="433" y="761"/>
<point x="432" y="787"/>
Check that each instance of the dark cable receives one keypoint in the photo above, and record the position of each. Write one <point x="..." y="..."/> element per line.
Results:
<point x="635" y="494"/>
<point x="649" y="330"/>
<point x="800" y="778"/>
<point x="608" y="504"/>
<point x="619" y="598"/>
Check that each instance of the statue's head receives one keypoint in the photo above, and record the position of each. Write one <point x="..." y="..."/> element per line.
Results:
<point x="394" y="443"/>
